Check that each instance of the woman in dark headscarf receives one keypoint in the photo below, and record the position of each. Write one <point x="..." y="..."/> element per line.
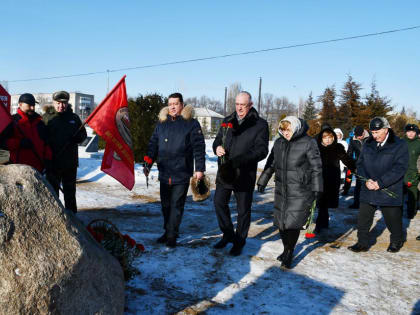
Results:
<point x="296" y="162"/>
<point x="332" y="153"/>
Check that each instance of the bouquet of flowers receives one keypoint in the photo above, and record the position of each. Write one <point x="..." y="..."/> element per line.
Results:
<point x="310" y="233"/>
<point x="226" y="127"/>
<point x="122" y="247"/>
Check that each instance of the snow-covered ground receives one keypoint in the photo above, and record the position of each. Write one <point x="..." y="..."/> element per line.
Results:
<point x="194" y="278"/>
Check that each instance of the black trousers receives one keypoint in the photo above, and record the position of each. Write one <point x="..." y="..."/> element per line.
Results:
<point x="413" y="194"/>
<point x="172" y="198"/>
<point x="323" y="218"/>
<point x="221" y="204"/>
<point x="289" y="238"/>
<point x="393" y="221"/>
<point x="357" y="189"/>
<point x="68" y="178"/>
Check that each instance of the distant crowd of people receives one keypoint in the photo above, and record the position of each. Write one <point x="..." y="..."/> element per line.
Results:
<point x="305" y="169"/>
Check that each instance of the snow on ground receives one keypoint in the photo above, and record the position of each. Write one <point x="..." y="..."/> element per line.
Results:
<point x="195" y="278"/>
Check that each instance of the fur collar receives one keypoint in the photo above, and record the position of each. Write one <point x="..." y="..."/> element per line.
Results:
<point x="187" y="113"/>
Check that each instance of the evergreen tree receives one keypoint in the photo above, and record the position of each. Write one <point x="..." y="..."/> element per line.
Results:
<point x="310" y="110"/>
<point x="143" y="111"/>
<point x="377" y="105"/>
<point x="350" y="110"/>
<point x="329" y="110"/>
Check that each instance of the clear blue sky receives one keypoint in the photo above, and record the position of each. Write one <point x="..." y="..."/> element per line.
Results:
<point x="49" y="38"/>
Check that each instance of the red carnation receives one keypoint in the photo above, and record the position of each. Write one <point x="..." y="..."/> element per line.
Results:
<point x="229" y="125"/>
<point x="409" y="184"/>
<point x="140" y="247"/>
<point x="131" y="243"/>
<point x="348" y="180"/>
<point x="348" y="172"/>
<point x="148" y="160"/>
<point x="309" y="235"/>
<point x="224" y="125"/>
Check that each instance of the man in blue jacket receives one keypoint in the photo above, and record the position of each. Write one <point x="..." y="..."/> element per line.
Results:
<point x="383" y="162"/>
<point x="177" y="143"/>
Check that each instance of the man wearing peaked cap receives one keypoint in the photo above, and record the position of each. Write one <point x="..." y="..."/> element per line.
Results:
<point x="26" y="137"/>
<point x="65" y="133"/>
<point x="411" y="178"/>
<point x="61" y="96"/>
<point x="383" y="163"/>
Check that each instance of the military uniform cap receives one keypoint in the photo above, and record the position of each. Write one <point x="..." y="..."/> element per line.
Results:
<point x="411" y="127"/>
<point x="61" y="96"/>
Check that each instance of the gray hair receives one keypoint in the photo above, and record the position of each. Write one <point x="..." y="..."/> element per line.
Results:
<point x="246" y="93"/>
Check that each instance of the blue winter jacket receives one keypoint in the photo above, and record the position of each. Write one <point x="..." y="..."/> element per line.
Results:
<point x="175" y="145"/>
<point x="387" y="165"/>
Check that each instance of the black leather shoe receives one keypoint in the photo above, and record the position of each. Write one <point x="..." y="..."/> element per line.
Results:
<point x="395" y="247"/>
<point x="418" y="238"/>
<point x="281" y="256"/>
<point x="287" y="259"/>
<point x="236" y="250"/>
<point x="223" y="242"/>
<point x="357" y="248"/>
<point x="171" y="242"/>
<point x="238" y="244"/>
<point x="162" y="239"/>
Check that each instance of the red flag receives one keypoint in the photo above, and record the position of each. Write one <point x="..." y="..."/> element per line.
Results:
<point x="5" y="118"/>
<point x="5" y="97"/>
<point x="110" y="120"/>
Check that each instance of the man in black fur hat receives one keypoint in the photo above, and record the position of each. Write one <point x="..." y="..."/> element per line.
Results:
<point x="240" y="144"/>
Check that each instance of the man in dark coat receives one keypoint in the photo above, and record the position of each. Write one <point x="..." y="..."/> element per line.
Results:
<point x="65" y="133"/>
<point x="26" y="136"/>
<point x="177" y="143"/>
<point x="296" y="162"/>
<point x="411" y="178"/>
<point x="354" y="150"/>
<point x="332" y="153"/>
<point x="383" y="162"/>
<point x="240" y="144"/>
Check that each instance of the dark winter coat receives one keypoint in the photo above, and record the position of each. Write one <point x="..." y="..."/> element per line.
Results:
<point x="64" y="136"/>
<point x="331" y="157"/>
<point x="387" y="165"/>
<point x="355" y="146"/>
<point x="412" y="174"/>
<point x="175" y="145"/>
<point x="246" y="145"/>
<point x="298" y="174"/>
<point x="32" y="128"/>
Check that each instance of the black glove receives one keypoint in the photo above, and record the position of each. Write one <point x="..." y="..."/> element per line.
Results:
<point x="261" y="189"/>
<point x="26" y="143"/>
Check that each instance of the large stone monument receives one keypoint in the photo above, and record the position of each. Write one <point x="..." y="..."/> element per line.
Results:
<point x="49" y="263"/>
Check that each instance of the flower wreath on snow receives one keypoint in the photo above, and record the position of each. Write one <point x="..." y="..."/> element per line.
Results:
<point x="122" y="247"/>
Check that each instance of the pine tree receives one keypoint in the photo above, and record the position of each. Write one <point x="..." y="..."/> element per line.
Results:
<point x="328" y="111"/>
<point x="310" y="110"/>
<point x="143" y="112"/>
<point x="350" y="108"/>
<point x="377" y="105"/>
